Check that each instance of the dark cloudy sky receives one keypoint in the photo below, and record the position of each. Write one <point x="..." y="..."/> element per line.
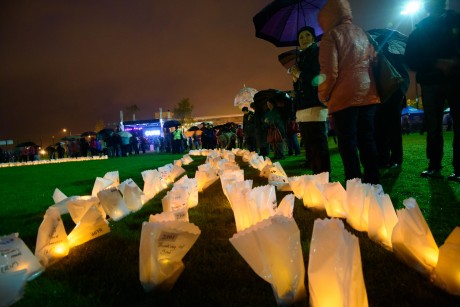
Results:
<point x="68" y="64"/>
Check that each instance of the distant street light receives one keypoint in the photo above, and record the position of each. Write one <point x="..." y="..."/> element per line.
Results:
<point x="411" y="9"/>
<point x="65" y="130"/>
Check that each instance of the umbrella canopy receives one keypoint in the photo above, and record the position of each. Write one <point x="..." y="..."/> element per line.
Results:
<point x="193" y="128"/>
<point x="171" y="123"/>
<point x="394" y="41"/>
<point x="281" y="99"/>
<point x="88" y="133"/>
<point x="245" y="97"/>
<point x="125" y="134"/>
<point x="289" y="58"/>
<point x="105" y="133"/>
<point x="26" y="144"/>
<point x="280" y="21"/>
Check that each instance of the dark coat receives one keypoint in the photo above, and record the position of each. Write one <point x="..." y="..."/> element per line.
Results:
<point x="434" y="38"/>
<point x="306" y="95"/>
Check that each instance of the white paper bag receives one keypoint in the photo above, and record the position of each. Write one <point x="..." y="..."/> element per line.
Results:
<point x="52" y="243"/>
<point x="357" y="206"/>
<point x="169" y="216"/>
<point x="238" y="193"/>
<point x="12" y="285"/>
<point x="91" y="226"/>
<point x="382" y="218"/>
<point x="58" y="196"/>
<point x="335" y="276"/>
<point x="272" y="249"/>
<point x="175" y="199"/>
<point x="191" y="187"/>
<point x="153" y="184"/>
<point x="412" y="240"/>
<point x="114" y="176"/>
<point x="229" y="177"/>
<point x="335" y="196"/>
<point x="132" y="194"/>
<point x="16" y="256"/>
<point x="78" y="205"/>
<point x="113" y="203"/>
<point x="447" y="271"/>
<point x="162" y="247"/>
<point x="101" y="184"/>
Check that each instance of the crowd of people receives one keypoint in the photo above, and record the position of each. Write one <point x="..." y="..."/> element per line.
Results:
<point x="335" y="93"/>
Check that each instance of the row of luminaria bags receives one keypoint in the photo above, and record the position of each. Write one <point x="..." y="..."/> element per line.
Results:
<point x="267" y="236"/>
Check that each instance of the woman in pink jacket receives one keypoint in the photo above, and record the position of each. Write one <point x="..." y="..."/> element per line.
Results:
<point x="348" y="89"/>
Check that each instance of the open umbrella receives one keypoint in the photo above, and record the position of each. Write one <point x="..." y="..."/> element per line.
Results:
<point x="26" y="144"/>
<point x="394" y="41"/>
<point x="280" y="21"/>
<point x="171" y="123"/>
<point x="244" y="98"/>
<point x="105" y="133"/>
<point x="125" y="134"/>
<point x="193" y="128"/>
<point x="289" y="58"/>
<point x="70" y="138"/>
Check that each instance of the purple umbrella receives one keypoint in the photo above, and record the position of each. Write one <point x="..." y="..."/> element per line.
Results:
<point x="280" y="21"/>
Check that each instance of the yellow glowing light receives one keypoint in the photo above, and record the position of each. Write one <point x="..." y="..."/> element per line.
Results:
<point x="61" y="249"/>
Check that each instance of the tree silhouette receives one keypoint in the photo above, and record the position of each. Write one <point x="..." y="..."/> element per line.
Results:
<point x="183" y="111"/>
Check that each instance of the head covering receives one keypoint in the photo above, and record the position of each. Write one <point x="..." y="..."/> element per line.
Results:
<point x="306" y="28"/>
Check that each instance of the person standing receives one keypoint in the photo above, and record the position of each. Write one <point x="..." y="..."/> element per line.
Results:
<point x="249" y="129"/>
<point x="348" y="88"/>
<point x="177" y="140"/>
<point x="311" y="114"/>
<point x="273" y="118"/>
<point x="437" y="67"/>
<point x="388" y="127"/>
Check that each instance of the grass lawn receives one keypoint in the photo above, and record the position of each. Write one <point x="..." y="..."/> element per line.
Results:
<point x="105" y="271"/>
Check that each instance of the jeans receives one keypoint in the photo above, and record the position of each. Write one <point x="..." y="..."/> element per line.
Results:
<point x="355" y="132"/>
<point x="293" y="144"/>
<point x="434" y="97"/>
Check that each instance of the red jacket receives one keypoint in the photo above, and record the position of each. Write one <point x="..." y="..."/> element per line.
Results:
<point x="345" y="56"/>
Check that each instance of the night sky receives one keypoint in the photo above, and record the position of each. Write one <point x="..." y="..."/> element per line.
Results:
<point x="68" y="64"/>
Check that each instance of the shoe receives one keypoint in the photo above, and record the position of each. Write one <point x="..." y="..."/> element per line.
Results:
<point x="431" y="173"/>
<point x="454" y="177"/>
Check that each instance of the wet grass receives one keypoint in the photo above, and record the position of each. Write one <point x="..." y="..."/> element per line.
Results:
<point x="105" y="271"/>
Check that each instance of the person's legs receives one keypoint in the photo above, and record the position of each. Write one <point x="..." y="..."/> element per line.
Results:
<point x="453" y="97"/>
<point x="317" y="146"/>
<point x="303" y="127"/>
<point x="345" y="127"/>
<point x="433" y="105"/>
<point x="366" y="144"/>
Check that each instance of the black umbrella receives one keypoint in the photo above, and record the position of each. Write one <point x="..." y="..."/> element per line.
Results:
<point x="171" y="123"/>
<point x="193" y="128"/>
<point x="70" y="138"/>
<point x="26" y="144"/>
<point x="280" y="99"/>
<point x="390" y="41"/>
<point x="105" y="133"/>
<point x="280" y="21"/>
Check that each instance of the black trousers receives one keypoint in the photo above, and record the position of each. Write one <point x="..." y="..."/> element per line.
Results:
<point x="314" y="136"/>
<point x="388" y="130"/>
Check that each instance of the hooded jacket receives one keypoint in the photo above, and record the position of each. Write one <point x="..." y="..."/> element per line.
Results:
<point x="345" y="58"/>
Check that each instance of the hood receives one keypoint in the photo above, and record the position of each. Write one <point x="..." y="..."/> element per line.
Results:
<point x="333" y="13"/>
